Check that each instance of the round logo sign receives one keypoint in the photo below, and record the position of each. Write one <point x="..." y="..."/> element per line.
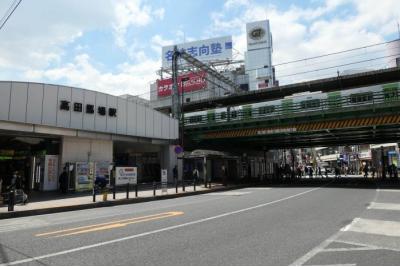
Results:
<point x="257" y="33"/>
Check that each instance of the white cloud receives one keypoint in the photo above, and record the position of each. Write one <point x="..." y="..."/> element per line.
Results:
<point x="133" y="13"/>
<point x="301" y="32"/>
<point x="35" y="36"/>
<point x="130" y="79"/>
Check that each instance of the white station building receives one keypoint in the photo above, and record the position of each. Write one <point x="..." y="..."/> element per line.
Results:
<point x="44" y="127"/>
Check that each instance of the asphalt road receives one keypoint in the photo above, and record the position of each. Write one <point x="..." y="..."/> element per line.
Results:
<point x="250" y="226"/>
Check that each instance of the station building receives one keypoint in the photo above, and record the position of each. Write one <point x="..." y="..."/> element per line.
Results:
<point x="44" y="127"/>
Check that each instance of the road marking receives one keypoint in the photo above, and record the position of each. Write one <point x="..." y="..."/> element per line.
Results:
<point x="348" y="249"/>
<point x="316" y="250"/>
<point x="110" y="225"/>
<point x="228" y="194"/>
<point x="154" y="231"/>
<point x="384" y="206"/>
<point x="388" y="190"/>
<point x="377" y="227"/>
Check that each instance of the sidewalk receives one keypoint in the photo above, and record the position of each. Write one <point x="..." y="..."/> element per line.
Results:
<point x="55" y="202"/>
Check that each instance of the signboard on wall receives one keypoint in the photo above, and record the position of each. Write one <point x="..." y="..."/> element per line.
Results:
<point x="190" y="82"/>
<point x="213" y="49"/>
<point x="258" y="35"/>
<point x="125" y="175"/>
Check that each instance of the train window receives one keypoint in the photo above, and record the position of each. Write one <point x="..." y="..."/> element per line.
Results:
<point x="362" y="97"/>
<point x="307" y="104"/>
<point x="234" y="114"/>
<point x="211" y="116"/>
<point x="392" y="94"/>
<point x="195" y="119"/>
<point x="223" y="115"/>
<point x="266" y="109"/>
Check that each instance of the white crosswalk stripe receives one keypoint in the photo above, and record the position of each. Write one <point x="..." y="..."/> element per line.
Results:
<point x="377" y="227"/>
<point x="384" y="206"/>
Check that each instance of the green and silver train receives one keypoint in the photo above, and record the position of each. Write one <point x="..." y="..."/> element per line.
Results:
<point x="303" y="102"/>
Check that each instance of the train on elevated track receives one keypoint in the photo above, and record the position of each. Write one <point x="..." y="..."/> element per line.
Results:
<point x="302" y="102"/>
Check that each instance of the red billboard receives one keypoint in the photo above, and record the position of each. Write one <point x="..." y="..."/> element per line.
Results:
<point x="191" y="82"/>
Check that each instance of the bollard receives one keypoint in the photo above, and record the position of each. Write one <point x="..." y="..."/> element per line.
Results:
<point x="176" y="186"/>
<point x="114" y="192"/>
<point x="94" y="193"/>
<point x="127" y="191"/>
<point x="136" y="190"/>
<point x="183" y="185"/>
<point x="154" y="189"/>
<point x="194" y="184"/>
<point x="11" y="200"/>
<point x="105" y="194"/>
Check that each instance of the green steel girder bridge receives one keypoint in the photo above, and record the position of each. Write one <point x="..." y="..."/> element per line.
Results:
<point x="374" y="119"/>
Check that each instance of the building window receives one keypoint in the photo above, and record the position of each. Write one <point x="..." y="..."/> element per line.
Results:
<point x="64" y="105"/>
<point x="112" y="112"/>
<point x="101" y="111"/>
<point x="89" y="109"/>
<point x="78" y="107"/>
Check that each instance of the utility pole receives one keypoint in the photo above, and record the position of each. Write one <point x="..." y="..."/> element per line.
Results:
<point x="175" y="91"/>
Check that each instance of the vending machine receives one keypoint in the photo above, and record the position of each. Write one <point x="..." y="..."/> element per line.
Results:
<point x="84" y="176"/>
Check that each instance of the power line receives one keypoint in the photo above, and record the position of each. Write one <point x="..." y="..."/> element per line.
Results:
<point x="352" y="63"/>
<point x="335" y="53"/>
<point x="9" y="12"/>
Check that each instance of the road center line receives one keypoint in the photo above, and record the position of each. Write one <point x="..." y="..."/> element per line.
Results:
<point x="155" y="231"/>
<point x="111" y="224"/>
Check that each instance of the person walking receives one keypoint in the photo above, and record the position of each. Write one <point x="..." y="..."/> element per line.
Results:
<point x="224" y="174"/>
<point x="366" y="171"/>
<point x="63" y="180"/>
<point x="373" y="170"/>
<point x="175" y="173"/>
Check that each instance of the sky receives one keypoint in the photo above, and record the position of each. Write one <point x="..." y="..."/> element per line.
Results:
<point x="114" y="46"/>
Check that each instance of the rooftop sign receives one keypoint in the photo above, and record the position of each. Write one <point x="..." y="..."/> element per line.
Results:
<point x="205" y="50"/>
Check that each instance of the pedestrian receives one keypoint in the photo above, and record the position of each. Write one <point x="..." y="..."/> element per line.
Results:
<point x="337" y="172"/>
<point x="175" y="173"/>
<point x="195" y="174"/>
<point x="63" y="180"/>
<point x="366" y="171"/>
<point x="394" y="171"/>
<point x="224" y="174"/>
<point x="373" y="170"/>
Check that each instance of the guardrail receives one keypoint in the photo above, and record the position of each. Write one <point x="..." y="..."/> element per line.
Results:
<point x="145" y="187"/>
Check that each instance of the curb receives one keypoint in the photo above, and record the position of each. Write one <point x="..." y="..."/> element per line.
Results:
<point x="24" y="213"/>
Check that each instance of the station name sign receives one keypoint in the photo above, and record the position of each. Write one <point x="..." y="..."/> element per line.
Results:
<point x="89" y="108"/>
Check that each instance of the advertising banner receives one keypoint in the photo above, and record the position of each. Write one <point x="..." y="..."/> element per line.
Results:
<point x="50" y="181"/>
<point x="102" y="170"/>
<point x="164" y="181"/>
<point x="214" y="49"/>
<point x="190" y="82"/>
<point x="125" y="175"/>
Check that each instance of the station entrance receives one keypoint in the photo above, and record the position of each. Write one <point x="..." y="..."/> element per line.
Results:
<point x="25" y="162"/>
